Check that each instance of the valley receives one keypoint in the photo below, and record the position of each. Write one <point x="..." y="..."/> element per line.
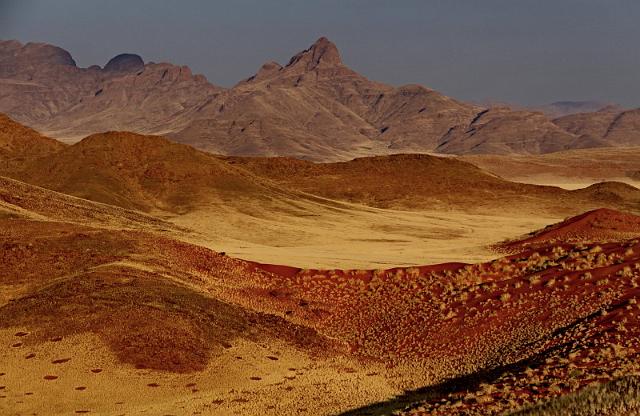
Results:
<point x="306" y="240"/>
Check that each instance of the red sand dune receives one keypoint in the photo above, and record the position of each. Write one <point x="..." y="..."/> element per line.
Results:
<point x="597" y="225"/>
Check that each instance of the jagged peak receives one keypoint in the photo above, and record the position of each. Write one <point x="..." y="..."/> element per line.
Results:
<point x="322" y="52"/>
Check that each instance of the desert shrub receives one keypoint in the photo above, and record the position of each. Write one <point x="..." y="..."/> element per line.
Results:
<point x="505" y="297"/>
<point x="617" y="397"/>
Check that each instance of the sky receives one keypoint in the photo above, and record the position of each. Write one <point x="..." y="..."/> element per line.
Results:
<point x="527" y="52"/>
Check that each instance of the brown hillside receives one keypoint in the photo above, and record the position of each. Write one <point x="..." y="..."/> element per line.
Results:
<point x="317" y="108"/>
<point x="19" y="145"/>
<point x="424" y="181"/>
<point x="19" y="199"/>
<point x="150" y="172"/>
<point x="141" y="172"/>
<point x="401" y="181"/>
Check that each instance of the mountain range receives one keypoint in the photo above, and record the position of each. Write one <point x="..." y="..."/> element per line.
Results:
<point x="314" y="107"/>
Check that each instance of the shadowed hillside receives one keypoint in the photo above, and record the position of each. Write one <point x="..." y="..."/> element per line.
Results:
<point x="152" y="173"/>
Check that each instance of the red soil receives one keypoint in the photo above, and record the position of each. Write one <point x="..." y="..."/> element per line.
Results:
<point x="597" y="225"/>
<point x="564" y="301"/>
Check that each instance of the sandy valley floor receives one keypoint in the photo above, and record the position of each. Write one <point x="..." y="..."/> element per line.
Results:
<point x="341" y="235"/>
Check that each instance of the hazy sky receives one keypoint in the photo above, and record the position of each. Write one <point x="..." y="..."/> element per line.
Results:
<point x="518" y="51"/>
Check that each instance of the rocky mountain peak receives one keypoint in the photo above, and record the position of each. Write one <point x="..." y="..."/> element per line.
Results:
<point x="125" y="62"/>
<point x="322" y="52"/>
<point x="41" y="53"/>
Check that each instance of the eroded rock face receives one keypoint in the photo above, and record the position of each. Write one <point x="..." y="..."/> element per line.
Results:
<point x="317" y="108"/>
<point x="43" y="88"/>
<point x="267" y="70"/>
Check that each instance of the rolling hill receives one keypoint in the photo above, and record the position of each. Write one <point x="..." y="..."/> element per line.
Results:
<point x="141" y="172"/>
<point x="152" y="173"/>
<point x="19" y="145"/>
<point x="431" y="182"/>
<point x="401" y="208"/>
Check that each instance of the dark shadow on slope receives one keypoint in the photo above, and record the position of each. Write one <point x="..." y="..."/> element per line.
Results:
<point x="467" y="383"/>
<point x="471" y="382"/>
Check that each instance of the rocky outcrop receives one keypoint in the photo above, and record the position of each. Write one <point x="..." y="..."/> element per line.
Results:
<point x="43" y="88"/>
<point x="317" y="108"/>
<point x="125" y="62"/>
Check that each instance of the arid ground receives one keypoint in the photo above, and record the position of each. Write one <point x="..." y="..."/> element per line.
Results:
<point x="141" y="276"/>
<point x="309" y="241"/>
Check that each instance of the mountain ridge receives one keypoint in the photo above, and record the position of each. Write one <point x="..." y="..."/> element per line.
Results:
<point x="314" y="107"/>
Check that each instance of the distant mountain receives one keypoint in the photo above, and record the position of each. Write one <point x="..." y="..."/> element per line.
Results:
<point x="317" y="108"/>
<point x="314" y="107"/>
<point x="607" y="127"/>
<point x="41" y="86"/>
<point x="501" y="130"/>
<point x="565" y="108"/>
